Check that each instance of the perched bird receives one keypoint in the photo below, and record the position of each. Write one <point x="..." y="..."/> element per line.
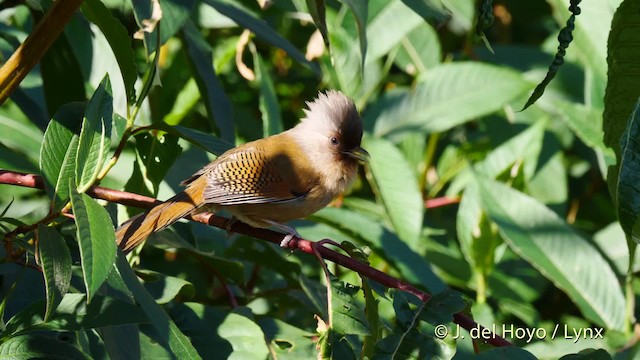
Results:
<point x="270" y="181"/>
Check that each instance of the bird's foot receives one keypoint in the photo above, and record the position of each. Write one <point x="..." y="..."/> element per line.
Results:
<point x="291" y="233"/>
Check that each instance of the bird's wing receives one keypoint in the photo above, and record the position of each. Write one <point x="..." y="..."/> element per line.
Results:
<point x="247" y="175"/>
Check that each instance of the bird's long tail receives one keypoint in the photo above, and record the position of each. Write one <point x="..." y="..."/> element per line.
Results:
<point x="132" y="232"/>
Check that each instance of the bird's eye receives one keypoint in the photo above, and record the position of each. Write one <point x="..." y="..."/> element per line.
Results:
<point x="335" y="141"/>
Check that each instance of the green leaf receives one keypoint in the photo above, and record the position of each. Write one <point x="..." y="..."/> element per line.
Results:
<point x="39" y="347"/>
<point x="397" y="189"/>
<point x="387" y="29"/>
<point x="623" y="76"/>
<point x="538" y="235"/>
<point x="74" y="313"/>
<point x="590" y="42"/>
<point x="165" y="288"/>
<point x="287" y="341"/>
<point x="347" y="313"/>
<point x="216" y="101"/>
<point x="441" y="307"/>
<point x="119" y="40"/>
<point x="202" y="140"/>
<point x="448" y="95"/>
<point x="477" y="242"/>
<point x="262" y="30"/>
<point x="169" y="333"/>
<point x="95" y="136"/>
<point x="627" y="189"/>
<point x="96" y="239"/>
<point x="419" y="50"/>
<point x="245" y="336"/>
<point x="62" y="81"/>
<point x="21" y="136"/>
<point x="411" y="264"/>
<point x="58" y="152"/>
<point x="269" y="107"/>
<point x="406" y="341"/>
<point x="428" y="9"/>
<point x="318" y="14"/>
<point x="360" y="10"/>
<point x="157" y="153"/>
<point x="173" y="16"/>
<point x="55" y="259"/>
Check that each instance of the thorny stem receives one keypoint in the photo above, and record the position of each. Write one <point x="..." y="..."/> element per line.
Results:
<point x="306" y="246"/>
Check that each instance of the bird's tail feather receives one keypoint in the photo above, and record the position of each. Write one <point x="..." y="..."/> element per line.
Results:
<point x="132" y="232"/>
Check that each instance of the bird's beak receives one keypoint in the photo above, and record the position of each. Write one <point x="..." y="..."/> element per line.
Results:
<point x="359" y="154"/>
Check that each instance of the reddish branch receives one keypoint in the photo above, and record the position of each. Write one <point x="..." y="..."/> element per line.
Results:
<point x="306" y="246"/>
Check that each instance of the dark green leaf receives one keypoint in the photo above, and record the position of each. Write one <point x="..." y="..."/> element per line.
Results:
<point x="360" y="9"/>
<point x="216" y="101"/>
<point x="74" y="313"/>
<point x="173" y="14"/>
<point x="157" y="153"/>
<point x="245" y="336"/>
<point x="627" y="188"/>
<point x="169" y="333"/>
<point x="95" y="136"/>
<point x="398" y="189"/>
<point x="118" y="38"/>
<point x="622" y="92"/>
<point x="62" y="82"/>
<point x="262" y="30"/>
<point x="39" y="347"/>
<point x="448" y="95"/>
<point x="287" y="341"/>
<point x="96" y="238"/>
<point x="430" y="10"/>
<point x="318" y="14"/>
<point x="58" y="152"/>
<point x="441" y="307"/>
<point x="165" y="288"/>
<point x="55" y="259"/>
<point x="347" y="312"/>
<point x="538" y="235"/>
<point x="269" y="107"/>
<point x="411" y="264"/>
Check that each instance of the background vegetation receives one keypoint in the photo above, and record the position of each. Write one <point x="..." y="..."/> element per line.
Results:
<point x="503" y="216"/>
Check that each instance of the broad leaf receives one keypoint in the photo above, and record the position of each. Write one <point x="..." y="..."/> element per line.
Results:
<point x="169" y="333"/>
<point x="622" y="80"/>
<point x="538" y="235"/>
<point x="360" y="10"/>
<point x="269" y="107"/>
<point x="216" y="101"/>
<point x="347" y="313"/>
<point x="55" y="259"/>
<point x="261" y="29"/>
<point x="95" y="136"/>
<point x="446" y="96"/>
<point x="119" y="39"/>
<point x="96" y="239"/>
<point x="39" y="347"/>
<point x="58" y="152"/>
<point x="398" y="189"/>
<point x="627" y="190"/>
<point x="74" y="313"/>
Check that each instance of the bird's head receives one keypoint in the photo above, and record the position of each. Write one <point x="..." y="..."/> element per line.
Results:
<point x="330" y="135"/>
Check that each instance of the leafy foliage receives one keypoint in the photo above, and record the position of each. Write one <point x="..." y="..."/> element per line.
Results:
<point x="517" y="220"/>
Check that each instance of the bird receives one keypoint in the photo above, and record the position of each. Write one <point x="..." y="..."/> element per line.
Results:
<point x="270" y="181"/>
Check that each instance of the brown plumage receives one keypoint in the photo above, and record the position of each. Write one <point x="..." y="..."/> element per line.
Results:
<point x="272" y="180"/>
